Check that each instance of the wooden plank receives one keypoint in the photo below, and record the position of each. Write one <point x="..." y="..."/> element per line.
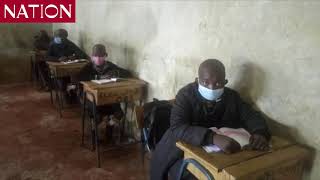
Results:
<point x="122" y="82"/>
<point x="285" y="163"/>
<point x="219" y="161"/>
<point x="61" y="70"/>
<point x="128" y="83"/>
<point x="129" y="89"/>
<point x="60" y="64"/>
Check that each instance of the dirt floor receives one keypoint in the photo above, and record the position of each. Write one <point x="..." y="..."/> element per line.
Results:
<point x="36" y="144"/>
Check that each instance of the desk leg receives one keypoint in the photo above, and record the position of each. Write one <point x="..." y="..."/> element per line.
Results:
<point x="32" y="69"/>
<point x="61" y="99"/>
<point x="50" y="88"/>
<point x="83" y="116"/>
<point x="95" y="120"/>
<point x="131" y="121"/>
<point x="55" y="89"/>
<point x="92" y="134"/>
<point x="123" y="124"/>
<point x="51" y="97"/>
<point x="58" y="95"/>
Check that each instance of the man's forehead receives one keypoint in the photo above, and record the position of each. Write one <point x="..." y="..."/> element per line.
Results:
<point x="206" y="72"/>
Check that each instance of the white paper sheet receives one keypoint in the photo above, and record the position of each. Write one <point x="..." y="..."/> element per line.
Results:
<point x="211" y="148"/>
<point x="104" y="81"/>
<point x="74" y="61"/>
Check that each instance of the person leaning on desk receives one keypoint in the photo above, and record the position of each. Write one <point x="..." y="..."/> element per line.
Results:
<point x="198" y="106"/>
<point x="101" y="68"/>
<point x="62" y="49"/>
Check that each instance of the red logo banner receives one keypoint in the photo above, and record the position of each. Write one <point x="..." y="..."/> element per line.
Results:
<point x="37" y="11"/>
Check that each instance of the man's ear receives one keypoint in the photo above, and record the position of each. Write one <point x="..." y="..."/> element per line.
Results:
<point x="196" y="79"/>
<point x="226" y="81"/>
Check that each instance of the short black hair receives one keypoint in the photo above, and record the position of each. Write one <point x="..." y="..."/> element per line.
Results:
<point x="99" y="48"/>
<point x="212" y="65"/>
<point x="61" y="32"/>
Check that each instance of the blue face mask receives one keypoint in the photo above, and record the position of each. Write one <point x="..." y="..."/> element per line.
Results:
<point x="209" y="94"/>
<point x="57" y="40"/>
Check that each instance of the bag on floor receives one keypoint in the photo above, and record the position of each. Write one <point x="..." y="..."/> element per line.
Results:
<point x="156" y="122"/>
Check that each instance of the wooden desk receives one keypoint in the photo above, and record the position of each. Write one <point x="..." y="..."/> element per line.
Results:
<point x="115" y="92"/>
<point x="59" y="70"/>
<point x="284" y="161"/>
<point x="126" y="90"/>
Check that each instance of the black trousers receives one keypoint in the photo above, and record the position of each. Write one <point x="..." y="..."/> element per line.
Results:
<point x="63" y="83"/>
<point x="166" y="160"/>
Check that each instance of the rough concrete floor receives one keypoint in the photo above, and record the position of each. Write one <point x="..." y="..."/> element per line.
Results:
<point x="35" y="144"/>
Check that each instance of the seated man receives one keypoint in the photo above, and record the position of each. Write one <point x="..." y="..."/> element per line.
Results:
<point x="41" y="41"/>
<point x="62" y="49"/>
<point x="100" y="68"/>
<point x="41" y="45"/>
<point x="200" y="105"/>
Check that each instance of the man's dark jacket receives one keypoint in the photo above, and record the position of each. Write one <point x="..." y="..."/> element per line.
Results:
<point x="89" y="72"/>
<point x="67" y="48"/>
<point x="190" y="119"/>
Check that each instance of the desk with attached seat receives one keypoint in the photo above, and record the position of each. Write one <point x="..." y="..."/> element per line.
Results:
<point x="126" y="90"/>
<point x="59" y="70"/>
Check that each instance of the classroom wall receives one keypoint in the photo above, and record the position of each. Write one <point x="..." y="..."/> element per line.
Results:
<point x="15" y="44"/>
<point x="270" y="49"/>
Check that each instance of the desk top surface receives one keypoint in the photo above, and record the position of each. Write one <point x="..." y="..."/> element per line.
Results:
<point x="60" y="64"/>
<point x="219" y="161"/>
<point x="121" y="83"/>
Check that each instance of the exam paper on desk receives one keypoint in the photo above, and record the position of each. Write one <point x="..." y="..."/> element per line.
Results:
<point x="74" y="61"/>
<point x="103" y="81"/>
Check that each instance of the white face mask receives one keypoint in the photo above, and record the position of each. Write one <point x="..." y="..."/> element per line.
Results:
<point x="210" y="94"/>
<point x="57" y="40"/>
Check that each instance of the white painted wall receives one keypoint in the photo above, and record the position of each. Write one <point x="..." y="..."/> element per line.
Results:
<point x="270" y="49"/>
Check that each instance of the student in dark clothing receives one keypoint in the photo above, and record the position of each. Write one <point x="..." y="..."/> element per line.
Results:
<point x="41" y="41"/>
<point x="101" y="68"/>
<point x="62" y="49"/>
<point x="198" y="106"/>
<point x="41" y="45"/>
